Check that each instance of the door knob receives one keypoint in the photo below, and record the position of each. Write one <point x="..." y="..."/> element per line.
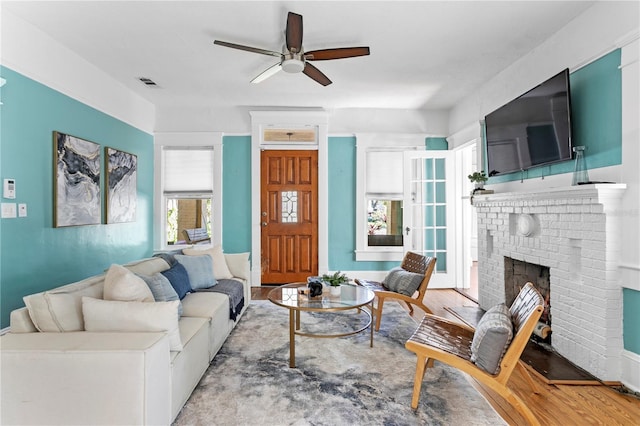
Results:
<point x="264" y="223"/>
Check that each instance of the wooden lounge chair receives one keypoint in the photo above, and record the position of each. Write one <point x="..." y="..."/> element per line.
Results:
<point x="450" y="342"/>
<point x="413" y="263"/>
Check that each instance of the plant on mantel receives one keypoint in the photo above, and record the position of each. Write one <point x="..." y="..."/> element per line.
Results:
<point x="479" y="178"/>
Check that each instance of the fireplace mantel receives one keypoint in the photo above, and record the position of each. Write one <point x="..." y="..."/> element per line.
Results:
<point x="600" y="193"/>
<point x="576" y="232"/>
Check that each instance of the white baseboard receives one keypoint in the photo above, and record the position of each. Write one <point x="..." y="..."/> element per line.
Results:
<point x="631" y="370"/>
<point x="5" y="330"/>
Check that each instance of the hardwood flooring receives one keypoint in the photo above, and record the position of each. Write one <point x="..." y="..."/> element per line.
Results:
<point x="553" y="404"/>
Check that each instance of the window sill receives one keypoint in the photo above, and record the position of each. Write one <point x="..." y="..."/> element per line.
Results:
<point x="381" y="255"/>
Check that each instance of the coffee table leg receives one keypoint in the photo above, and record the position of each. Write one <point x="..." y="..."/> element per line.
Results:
<point x="292" y="339"/>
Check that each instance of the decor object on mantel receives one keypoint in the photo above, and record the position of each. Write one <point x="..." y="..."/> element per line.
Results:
<point x="479" y="178"/>
<point x="580" y="173"/>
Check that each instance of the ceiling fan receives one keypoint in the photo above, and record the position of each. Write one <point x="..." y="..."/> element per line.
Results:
<point x="293" y="58"/>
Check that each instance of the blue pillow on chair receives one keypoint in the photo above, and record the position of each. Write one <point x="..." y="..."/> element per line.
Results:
<point x="179" y="279"/>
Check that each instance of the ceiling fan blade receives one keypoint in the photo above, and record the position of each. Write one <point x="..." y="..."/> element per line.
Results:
<point x="338" y="53"/>
<point x="316" y="74"/>
<point x="273" y="69"/>
<point x="294" y="32"/>
<point x="248" y="48"/>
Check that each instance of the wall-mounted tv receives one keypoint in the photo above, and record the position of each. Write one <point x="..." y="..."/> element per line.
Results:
<point x="532" y="130"/>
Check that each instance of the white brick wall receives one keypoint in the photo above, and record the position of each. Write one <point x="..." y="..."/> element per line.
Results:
<point x="577" y="235"/>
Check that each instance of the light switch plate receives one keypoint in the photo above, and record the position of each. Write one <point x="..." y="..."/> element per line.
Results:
<point x="8" y="210"/>
<point x="22" y="210"/>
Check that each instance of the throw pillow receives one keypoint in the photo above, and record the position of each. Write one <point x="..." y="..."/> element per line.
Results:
<point x="122" y="284"/>
<point x="403" y="282"/>
<point x="60" y="309"/>
<point x="161" y="289"/>
<point x="220" y="269"/>
<point x="111" y="315"/>
<point x="179" y="279"/>
<point x="199" y="269"/>
<point x="492" y="338"/>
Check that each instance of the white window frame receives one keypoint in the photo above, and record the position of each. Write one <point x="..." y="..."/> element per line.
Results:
<point x="366" y="142"/>
<point x="211" y="140"/>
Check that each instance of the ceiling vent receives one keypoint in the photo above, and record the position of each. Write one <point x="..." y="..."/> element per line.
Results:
<point x="147" y="82"/>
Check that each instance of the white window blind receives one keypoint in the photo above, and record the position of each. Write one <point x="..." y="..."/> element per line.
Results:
<point x="384" y="172"/>
<point x="188" y="170"/>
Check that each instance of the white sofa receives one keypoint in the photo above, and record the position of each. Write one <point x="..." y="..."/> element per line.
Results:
<point x="89" y="378"/>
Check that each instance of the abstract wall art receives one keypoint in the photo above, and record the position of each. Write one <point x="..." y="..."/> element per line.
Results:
<point x="122" y="195"/>
<point x="76" y="181"/>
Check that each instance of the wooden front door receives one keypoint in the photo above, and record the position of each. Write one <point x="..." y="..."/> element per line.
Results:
<point x="289" y="215"/>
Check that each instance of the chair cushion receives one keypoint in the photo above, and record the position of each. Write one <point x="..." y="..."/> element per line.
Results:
<point x="199" y="269"/>
<point x="492" y="338"/>
<point x="403" y="282"/>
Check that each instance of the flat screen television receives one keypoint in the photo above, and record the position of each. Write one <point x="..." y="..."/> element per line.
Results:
<point x="532" y="130"/>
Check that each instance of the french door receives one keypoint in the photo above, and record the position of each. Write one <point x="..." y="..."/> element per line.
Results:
<point x="429" y="211"/>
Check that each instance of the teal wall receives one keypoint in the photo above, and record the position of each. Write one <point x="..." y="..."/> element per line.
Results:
<point x="596" y="114"/>
<point x="34" y="256"/>
<point x="631" y="319"/>
<point x="236" y="194"/>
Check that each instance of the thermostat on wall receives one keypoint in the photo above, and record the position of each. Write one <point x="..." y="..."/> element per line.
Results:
<point x="9" y="188"/>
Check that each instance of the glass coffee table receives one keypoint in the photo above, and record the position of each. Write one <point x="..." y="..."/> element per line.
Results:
<point x="295" y="297"/>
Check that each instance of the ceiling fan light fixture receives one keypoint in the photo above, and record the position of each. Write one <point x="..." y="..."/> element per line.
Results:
<point x="292" y="65"/>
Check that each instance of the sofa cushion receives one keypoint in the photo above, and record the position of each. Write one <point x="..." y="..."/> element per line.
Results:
<point x="220" y="269"/>
<point x="161" y="289"/>
<point x="492" y="338"/>
<point x="60" y="309"/>
<point x="179" y="279"/>
<point x="403" y="282"/>
<point x="122" y="284"/>
<point x="199" y="269"/>
<point x="111" y="315"/>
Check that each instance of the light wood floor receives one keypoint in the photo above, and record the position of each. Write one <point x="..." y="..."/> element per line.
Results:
<point x="554" y="404"/>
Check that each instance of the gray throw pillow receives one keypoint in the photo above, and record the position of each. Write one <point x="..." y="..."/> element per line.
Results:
<point x="199" y="269"/>
<point x="403" y="282"/>
<point x="161" y="288"/>
<point x="492" y="338"/>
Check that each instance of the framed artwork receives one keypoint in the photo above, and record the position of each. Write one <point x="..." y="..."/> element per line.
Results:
<point x="122" y="193"/>
<point x="76" y="190"/>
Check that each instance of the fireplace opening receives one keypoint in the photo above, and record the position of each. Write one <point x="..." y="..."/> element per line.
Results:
<point x="516" y="274"/>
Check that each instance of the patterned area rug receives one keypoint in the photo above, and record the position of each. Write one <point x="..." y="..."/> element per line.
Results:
<point x="339" y="381"/>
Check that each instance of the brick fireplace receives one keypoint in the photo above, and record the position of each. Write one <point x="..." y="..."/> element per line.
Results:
<point x="574" y="232"/>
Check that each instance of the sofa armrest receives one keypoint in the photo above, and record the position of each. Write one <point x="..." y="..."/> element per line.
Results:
<point x="20" y="321"/>
<point x="85" y="378"/>
<point x="239" y="265"/>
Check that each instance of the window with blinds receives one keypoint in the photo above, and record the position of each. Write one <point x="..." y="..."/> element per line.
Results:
<point x="383" y="193"/>
<point x="188" y="182"/>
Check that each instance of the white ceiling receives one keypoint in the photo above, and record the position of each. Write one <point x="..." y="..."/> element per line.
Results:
<point x="424" y="54"/>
